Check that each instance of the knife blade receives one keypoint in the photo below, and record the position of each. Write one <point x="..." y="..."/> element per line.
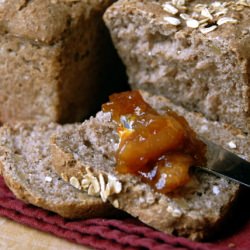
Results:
<point x="222" y="162"/>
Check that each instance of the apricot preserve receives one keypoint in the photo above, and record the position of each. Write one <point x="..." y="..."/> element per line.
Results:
<point x="159" y="148"/>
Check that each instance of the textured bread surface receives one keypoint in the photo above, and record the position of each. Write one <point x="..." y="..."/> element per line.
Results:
<point x="55" y="56"/>
<point x="25" y="164"/>
<point x="204" y="72"/>
<point x="85" y="157"/>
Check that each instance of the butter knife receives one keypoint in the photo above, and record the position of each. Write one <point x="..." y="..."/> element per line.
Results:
<point x="224" y="163"/>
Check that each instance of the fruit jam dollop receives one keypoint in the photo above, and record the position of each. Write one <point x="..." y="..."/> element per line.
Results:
<point x="159" y="148"/>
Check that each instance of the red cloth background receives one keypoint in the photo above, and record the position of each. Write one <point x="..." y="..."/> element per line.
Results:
<point x="121" y="233"/>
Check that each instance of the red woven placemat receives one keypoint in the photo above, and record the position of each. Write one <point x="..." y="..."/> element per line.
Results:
<point x="116" y="234"/>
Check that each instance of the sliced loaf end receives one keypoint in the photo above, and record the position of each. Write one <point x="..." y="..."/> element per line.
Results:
<point x="25" y="164"/>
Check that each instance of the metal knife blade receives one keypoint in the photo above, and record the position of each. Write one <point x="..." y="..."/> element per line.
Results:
<point x="224" y="163"/>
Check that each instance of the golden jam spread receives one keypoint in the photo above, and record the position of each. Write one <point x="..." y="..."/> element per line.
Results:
<point x="159" y="148"/>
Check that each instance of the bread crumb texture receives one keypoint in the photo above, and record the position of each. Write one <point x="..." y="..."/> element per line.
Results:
<point x="194" y="52"/>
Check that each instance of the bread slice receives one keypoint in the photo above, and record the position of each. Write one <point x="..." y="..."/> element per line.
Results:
<point x="200" y="48"/>
<point x="25" y="163"/>
<point x="84" y="156"/>
<point x="57" y="54"/>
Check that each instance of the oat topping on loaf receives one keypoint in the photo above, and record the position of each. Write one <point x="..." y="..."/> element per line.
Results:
<point x="205" y="16"/>
<point x="87" y="154"/>
<point x="101" y="185"/>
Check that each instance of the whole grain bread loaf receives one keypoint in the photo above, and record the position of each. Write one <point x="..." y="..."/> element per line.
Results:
<point x="85" y="157"/>
<point x="197" y="53"/>
<point x="25" y="164"/>
<point x="55" y="56"/>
